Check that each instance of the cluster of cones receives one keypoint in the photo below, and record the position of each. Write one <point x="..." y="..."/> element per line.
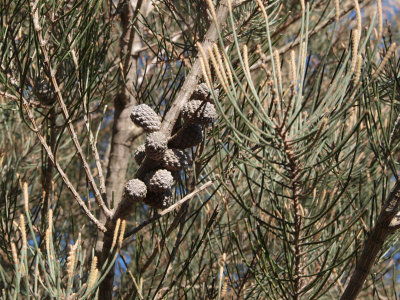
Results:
<point x="167" y="154"/>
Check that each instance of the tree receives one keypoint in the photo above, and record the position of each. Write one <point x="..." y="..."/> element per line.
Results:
<point x="291" y="193"/>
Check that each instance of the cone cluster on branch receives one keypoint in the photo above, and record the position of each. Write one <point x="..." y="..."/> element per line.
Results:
<point x="199" y="112"/>
<point x="167" y="153"/>
<point x="203" y="93"/>
<point x="144" y="116"/>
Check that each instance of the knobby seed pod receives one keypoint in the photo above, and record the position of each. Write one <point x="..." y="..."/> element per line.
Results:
<point x="203" y="93"/>
<point x="159" y="181"/>
<point x="44" y="92"/>
<point x="199" y="112"/>
<point x="156" y="145"/>
<point x="144" y="116"/>
<point x="140" y="154"/>
<point x="135" y="190"/>
<point x="190" y="136"/>
<point x="175" y="160"/>
<point x="159" y="200"/>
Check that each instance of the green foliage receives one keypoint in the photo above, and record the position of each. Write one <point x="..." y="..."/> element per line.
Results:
<point x="301" y="157"/>
<point x="312" y="155"/>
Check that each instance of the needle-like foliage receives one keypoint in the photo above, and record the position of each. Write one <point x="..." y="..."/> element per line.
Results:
<point x="285" y="118"/>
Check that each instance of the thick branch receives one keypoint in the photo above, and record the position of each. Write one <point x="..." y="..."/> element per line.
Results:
<point x="374" y="244"/>
<point x="124" y="131"/>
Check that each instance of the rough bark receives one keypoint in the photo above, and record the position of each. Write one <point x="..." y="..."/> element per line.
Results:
<point x="123" y="134"/>
<point x="374" y="244"/>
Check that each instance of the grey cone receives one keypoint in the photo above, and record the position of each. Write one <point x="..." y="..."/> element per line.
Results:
<point x="135" y="190"/>
<point x="175" y="160"/>
<point x="190" y="136"/>
<point x="140" y="154"/>
<point x="44" y="92"/>
<point x="156" y="145"/>
<point x="199" y="112"/>
<point x="144" y="116"/>
<point x="159" y="181"/>
<point x="159" y="200"/>
<point x="203" y="93"/>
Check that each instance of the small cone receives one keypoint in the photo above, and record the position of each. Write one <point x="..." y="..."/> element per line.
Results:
<point x="175" y="160"/>
<point x="203" y="93"/>
<point x="44" y="92"/>
<point x="159" y="181"/>
<point x="144" y="116"/>
<point x="190" y="136"/>
<point x="199" y="112"/>
<point x="135" y="190"/>
<point x="156" y="145"/>
<point x="159" y="200"/>
<point x="140" y="154"/>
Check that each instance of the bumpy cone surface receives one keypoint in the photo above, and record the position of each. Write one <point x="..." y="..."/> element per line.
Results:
<point x="156" y="145"/>
<point x="159" y="200"/>
<point x="199" y="112"/>
<point x="135" y="190"/>
<point x="190" y="136"/>
<point x="144" y="116"/>
<point x="159" y="181"/>
<point x="203" y="93"/>
<point x="140" y="154"/>
<point x="175" y="160"/>
<point x="44" y="92"/>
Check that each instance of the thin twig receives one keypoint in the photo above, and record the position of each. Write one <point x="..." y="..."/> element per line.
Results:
<point x="297" y="41"/>
<point x="59" y="169"/>
<point x="91" y="138"/>
<point x="42" y="44"/>
<point x="168" y="210"/>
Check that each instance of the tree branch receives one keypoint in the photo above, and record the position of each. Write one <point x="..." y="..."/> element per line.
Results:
<point x="374" y="243"/>
<point x="168" y="210"/>
<point x="124" y="131"/>
<point x="42" y="45"/>
<point x="59" y="169"/>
